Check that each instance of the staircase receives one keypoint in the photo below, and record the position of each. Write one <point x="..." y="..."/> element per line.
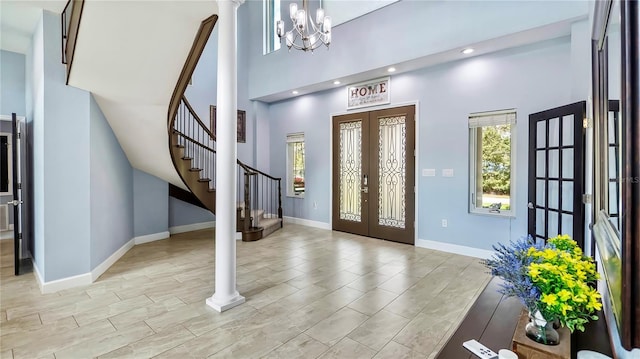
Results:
<point x="191" y="143"/>
<point x="192" y="150"/>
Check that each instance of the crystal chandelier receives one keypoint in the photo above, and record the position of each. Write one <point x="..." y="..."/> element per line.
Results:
<point x="307" y="34"/>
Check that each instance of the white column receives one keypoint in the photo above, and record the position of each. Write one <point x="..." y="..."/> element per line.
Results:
<point x="226" y="295"/>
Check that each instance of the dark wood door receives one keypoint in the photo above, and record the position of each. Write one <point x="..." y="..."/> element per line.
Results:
<point x="22" y="256"/>
<point x="556" y="173"/>
<point x="374" y="174"/>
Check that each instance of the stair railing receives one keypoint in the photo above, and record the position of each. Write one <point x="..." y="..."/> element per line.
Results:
<point x="258" y="193"/>
<point x="195" y="142"/>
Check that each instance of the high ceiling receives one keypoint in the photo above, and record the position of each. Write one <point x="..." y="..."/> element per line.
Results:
<point x="18" y="19"/>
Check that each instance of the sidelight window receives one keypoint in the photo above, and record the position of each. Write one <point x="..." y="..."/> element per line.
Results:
<point x="492" y="167"/>
<point x="295" y="165"/>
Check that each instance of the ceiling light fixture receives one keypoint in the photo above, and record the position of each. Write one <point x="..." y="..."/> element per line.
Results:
<point x="294" y="92"/>
<point x="468" y="50"/>
<point x="391" y="69"/>
<point x="336" y="82"/>
<point x="306" y="34"/>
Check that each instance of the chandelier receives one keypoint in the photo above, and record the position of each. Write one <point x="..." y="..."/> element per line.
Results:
<point x="306" y="34"/>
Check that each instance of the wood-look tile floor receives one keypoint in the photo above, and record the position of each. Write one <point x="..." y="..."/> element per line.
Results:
<point x="310" y="293"/>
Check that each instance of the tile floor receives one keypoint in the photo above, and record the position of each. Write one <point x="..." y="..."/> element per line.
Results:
<point x="310" y="293"/>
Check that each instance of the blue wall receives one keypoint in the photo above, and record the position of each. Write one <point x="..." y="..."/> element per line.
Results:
<point x="530" y="79"/>
<point x="111" y="190"/>
<point x="66" y="164"/>
<point x="12" y="83"/>
<point x="183" y="213"/>
<point x="375" y="41"/>
<point x="203" y="91"/>
<point x="150" y="204"/>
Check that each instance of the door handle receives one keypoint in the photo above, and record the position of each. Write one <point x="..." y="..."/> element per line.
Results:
<point x="15" y="202"/>
<point x="365" y="189"/>
<point x="530" y="205"/>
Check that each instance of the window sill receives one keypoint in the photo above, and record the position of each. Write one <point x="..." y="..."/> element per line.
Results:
<point x="501" y="214"/>
<point x="295" y="195"/>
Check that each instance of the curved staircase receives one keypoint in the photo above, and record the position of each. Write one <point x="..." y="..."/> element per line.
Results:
<point x="119" y="85"/>
<point x="192" y="151"/>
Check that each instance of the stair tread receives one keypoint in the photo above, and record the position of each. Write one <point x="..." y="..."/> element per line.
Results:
<point x="204" y="180"/>
<point x="187" y="158"/>
<point x="254" y="213"/>
<point x="267" y="222"/>
<point x="195" y="169"/>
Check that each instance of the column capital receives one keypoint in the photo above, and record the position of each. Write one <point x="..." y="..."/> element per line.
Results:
<point x="237" y="3"/>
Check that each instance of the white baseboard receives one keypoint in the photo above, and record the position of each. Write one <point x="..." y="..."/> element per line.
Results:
<point x="306" y="222"/>
<point x="192" y="227"/>
<point x="151" y="237"/>
<point x="64" y="283"/>
<point x="38" y="275"/>
<point x="8" y="234"/>
<point x="102" y="267"/>
<point x="455" y="248"/>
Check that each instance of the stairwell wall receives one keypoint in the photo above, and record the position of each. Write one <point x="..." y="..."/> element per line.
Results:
<point x="203" y="89"/>
<point x="150" y="205"/>
<point x="60" y="158"/>
<point x="111" y="185"/>
<point x="184" y="214"/>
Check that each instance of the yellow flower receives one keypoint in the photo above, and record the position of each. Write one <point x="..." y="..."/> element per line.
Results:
<point x="549" y="299"/>
<point x="565" y="307"/>
<point x="549" y="254"/>
<point x="564" y="295"/>
<point x="534" y="271"/>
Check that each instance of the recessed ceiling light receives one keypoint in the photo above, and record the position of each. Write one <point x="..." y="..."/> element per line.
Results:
<point x="391" y="69"/>
<point x="467" y="51"/>
<point x="294" y="92"/>
<point x="336" y="82"/>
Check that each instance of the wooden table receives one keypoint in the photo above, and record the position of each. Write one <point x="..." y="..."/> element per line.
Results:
<point x="530" y="349"/>
<point x="491" y="320"/>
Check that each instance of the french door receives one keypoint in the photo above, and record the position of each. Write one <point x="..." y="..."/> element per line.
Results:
<point x="556" y="173"/>
<point x="374" y="174"/>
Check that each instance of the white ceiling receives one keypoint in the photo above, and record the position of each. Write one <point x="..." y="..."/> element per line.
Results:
<point x="18" y="19"/>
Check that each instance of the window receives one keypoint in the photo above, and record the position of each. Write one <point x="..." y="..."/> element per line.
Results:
<point x="492" y="166"/>
<point x="270" y="19"/>
<point x="295" y="165"/>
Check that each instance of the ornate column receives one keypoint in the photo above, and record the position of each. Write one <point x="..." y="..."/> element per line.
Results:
<point x="226" y="295"/>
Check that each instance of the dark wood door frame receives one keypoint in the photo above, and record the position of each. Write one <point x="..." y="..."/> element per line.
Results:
<point x="370" y="226"/>
<point x="578" y="111"/>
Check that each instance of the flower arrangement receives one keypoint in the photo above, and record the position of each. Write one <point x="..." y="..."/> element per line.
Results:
<point x="552" y="279"/>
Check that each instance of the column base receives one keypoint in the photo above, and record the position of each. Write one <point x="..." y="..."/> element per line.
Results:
<point x="222" y="306"/>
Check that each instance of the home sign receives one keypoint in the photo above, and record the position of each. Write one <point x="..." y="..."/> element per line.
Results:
<point x="370" y="93"/>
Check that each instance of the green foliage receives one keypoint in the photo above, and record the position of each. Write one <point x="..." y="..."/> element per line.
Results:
<point x="496" y="159"/>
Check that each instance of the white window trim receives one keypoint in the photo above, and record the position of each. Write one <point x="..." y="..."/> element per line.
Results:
<point x="493" y="118"/>
<point x="291" y="138"/>
<point x="9" y="163"/>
